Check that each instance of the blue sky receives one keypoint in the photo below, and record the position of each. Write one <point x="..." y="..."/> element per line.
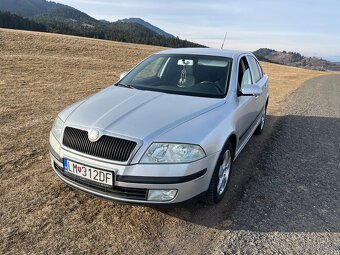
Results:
<point x="309" y="27"/>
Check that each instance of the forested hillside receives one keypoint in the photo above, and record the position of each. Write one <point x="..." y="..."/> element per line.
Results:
<point x="10" y="20"/>
<point x="295" y="59"/>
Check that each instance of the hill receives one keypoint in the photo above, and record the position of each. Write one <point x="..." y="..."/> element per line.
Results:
<point x="30" y="8"/>
<point x="63" y="19"/>
<point x="147" y="25"/>
<point x="295" y="59"/>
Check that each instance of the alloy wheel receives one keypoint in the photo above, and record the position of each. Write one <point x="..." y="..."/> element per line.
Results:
<point x="223" y="174"/>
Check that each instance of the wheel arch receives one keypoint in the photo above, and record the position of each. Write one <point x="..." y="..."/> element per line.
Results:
<point x="210" y="194"/>
<point x="233" y="140"/>
<point x="267" y="102"/>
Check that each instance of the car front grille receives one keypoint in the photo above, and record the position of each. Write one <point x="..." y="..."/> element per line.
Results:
<point x="121" y="192"/>
<point x="106" y="147"/>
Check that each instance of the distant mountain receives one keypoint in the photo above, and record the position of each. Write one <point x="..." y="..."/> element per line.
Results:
<point x="295" y="59"/>
<point x="104" y="21"/>
<point x="63" y="19"/>
<point x="66" y="13"/>
<point x="147" y="25"/>
<point x="42" y="9"/>
<point x="29" y="8"/>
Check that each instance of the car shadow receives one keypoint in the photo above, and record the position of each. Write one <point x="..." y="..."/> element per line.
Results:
<point x="285" y="180"/>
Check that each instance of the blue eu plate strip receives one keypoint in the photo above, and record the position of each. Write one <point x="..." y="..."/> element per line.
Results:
<point x="65" y="164"/>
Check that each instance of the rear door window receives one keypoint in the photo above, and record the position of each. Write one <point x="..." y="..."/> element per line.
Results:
<point x="244" y="75"/>
<point x="254" y="69"/>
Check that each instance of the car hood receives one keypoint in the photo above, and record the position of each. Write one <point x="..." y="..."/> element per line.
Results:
<point x="136" y="113"/>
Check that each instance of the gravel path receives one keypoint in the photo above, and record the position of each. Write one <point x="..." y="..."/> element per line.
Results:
<point x="292" y="206"/>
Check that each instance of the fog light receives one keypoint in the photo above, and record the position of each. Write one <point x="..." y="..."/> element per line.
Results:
<point x="161" y="194"/>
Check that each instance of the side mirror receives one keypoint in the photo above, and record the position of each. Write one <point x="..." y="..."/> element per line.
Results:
<point x="122" y="75"/>
<point x="251" y="90"/>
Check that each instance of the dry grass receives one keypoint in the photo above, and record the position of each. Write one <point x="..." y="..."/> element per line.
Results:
<point x="39" y="75"/>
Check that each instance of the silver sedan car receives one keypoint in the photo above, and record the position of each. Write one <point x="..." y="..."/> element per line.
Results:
<point x="167" y="131"/>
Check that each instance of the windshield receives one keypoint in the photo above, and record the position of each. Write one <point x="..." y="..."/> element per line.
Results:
<point x="193" y="75"/>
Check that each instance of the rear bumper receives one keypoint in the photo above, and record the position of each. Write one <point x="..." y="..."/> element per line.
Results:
<point x="133" y="182"/>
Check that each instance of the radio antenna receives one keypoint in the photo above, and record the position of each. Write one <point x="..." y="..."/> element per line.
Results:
<point x="225" y="37"/>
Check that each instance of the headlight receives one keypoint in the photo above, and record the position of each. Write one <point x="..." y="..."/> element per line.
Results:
<point x="57" y="128"/>
<point x="163" y="153"/>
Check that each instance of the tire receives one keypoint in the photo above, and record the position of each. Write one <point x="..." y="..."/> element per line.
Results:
<point x="260" y="127"/>
<point x="220" y="178"/>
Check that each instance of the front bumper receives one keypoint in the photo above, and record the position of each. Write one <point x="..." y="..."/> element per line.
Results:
<point x="133" y="182"/>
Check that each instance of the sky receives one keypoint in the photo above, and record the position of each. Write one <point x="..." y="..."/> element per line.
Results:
<point x="311" y="27"/>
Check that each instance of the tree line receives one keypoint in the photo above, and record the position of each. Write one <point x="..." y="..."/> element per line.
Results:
<point x="10" y="20"/>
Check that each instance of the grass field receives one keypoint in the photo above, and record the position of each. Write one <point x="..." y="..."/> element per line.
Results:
<point x="40" y="74"/>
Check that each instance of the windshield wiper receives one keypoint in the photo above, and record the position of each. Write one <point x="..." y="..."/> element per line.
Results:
<point x="125" y="85"/>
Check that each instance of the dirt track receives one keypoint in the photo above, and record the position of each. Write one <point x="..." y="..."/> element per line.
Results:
<point x="39" y="75"/>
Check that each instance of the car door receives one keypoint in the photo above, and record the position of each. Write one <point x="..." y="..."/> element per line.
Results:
<point x="247" y="108"/>
<point x="259" y="80"/>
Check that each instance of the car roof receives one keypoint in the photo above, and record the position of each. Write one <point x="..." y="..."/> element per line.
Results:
<point x="206" y="51"/>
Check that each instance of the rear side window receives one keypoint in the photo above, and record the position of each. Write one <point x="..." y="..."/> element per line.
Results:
<point x="255" y="68"/>
<point x="244" y="76"/>
<point x="260" y="68"/>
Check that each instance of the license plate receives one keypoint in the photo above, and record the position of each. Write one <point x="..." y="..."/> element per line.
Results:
<point x="89" y="173"/>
